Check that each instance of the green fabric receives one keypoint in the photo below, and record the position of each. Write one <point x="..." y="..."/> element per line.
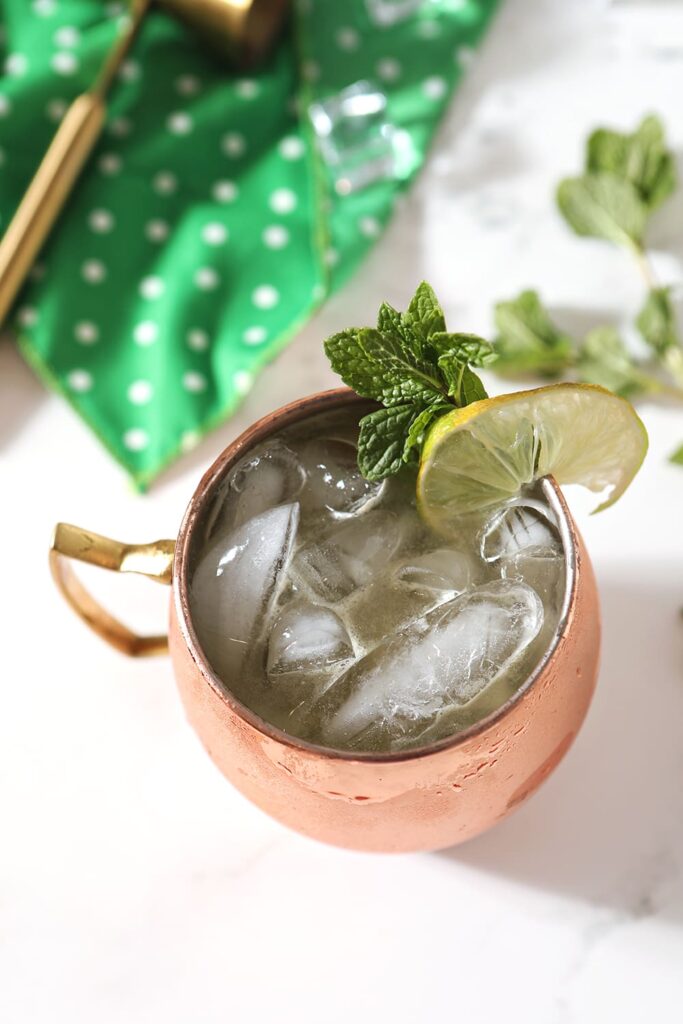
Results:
<point x="207" y="226"/>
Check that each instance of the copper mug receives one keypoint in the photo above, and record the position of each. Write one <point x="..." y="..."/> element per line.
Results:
<point x="422" y="799"/>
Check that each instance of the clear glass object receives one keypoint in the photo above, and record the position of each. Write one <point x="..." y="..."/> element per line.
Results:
<point x="357" y="141"/>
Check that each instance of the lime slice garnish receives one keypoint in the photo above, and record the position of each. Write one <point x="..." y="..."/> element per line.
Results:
<point x="485" y="453"/>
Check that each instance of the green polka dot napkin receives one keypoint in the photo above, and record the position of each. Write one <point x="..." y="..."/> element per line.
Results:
<point x="217" y="211"/>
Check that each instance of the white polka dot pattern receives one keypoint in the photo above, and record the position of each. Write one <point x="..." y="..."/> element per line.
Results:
<point x="189" y="252"/>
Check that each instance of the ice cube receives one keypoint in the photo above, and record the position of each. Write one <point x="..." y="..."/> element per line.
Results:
<point x="520" y="527"/>
<point x="320" y="568"/>
<point x="384" y="607"/>
<point x="357" y="141"/>
<point x="442" y="569"/>
<point x="442" y="661"/>
<point x="525" y="545"/>
<point x="236" y="582"/>
<point x="307" y="642"/>
<point x="542" y="570"/>
<point x="350" y="556"/>
<point x="334" y="479"/>
<point x="268" y="476"/>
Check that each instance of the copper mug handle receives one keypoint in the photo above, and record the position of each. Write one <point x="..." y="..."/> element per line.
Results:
<point x="154" y="560"/>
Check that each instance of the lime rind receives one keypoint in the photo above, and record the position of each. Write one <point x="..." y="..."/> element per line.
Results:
<point x="486" y="453"/>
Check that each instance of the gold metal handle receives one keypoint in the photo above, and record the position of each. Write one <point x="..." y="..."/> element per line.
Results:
<point x="154" y="560"/>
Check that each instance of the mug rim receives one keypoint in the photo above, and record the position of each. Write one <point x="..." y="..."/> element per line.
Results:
<point x="266" y="425"/>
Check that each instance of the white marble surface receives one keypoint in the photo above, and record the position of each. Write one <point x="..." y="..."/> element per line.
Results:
<point x="136" y="885"/>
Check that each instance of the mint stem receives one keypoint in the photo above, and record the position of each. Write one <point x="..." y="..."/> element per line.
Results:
<point x="655" y="386"/>
<point x="672" y="360"/>
<point x="645" y="266"/>
<point x="672" y="357"/>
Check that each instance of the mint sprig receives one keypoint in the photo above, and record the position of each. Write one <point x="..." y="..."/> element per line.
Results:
<point x="626" y="177"/>
<point x="640" y="158"/>
<point x="529" y="342"/>
<point x="413" y="367"/>
<point x="604" y="359"/>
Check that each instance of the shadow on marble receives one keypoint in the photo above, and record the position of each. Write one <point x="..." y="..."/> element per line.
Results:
<point x="20" y="392"/>
<point x="607" y="827"/>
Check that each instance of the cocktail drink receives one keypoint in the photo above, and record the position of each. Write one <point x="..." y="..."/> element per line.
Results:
<point x="331" y="609"/>
<point x="384" y="623"/>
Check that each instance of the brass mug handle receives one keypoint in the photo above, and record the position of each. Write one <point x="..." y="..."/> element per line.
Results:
<point x="154" y="560"/>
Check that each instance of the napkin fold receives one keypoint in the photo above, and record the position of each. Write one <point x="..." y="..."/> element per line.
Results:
<point x="218" y="210"/>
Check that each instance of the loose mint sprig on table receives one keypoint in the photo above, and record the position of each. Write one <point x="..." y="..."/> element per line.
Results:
<point x="416" y="369"/>
<point x="626" y="177"/>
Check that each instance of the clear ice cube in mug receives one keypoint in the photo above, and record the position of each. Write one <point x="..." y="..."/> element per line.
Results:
<point x="325" y="605"/>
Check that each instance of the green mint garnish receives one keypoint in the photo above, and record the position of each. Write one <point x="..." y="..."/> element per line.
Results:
<point x="413" y="367"/>
<point x="657" y="322"/>
<point x="625" y="178"/>
<point x="603" y="206"/>
<point x="604" y="359"/>
<point x="641" y="158"/>
<point x="677" y="456"/>
<point x="528" y="341"/>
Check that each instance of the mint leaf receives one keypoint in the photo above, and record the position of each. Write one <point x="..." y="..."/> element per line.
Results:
<point x="677" y="456"/>
<point x="628" y="176"/>
<point x="463" y="385"/>
<point x="349" y="360"/>
<point x="657" y="321"/>
<point x="471" y="388"/>
<point x="603" y="205"/>
<point x="415" y="368"/>
<point x="657" y="324"/>
<point x="457" y="353"/>
<point x="425" y="315"/>
<point x="470" y="348"/>
<point x="420" y="426"/>
<point x="452" y="370"/>
<point x="382" y="366"/>
<point x="528" y="341"/>
<point x="396" y="373"/>
<point x="642" y="158"/>
<point x="390" y="321"/>
<point x="604" y="359"/>
<point x="382" y="439"/>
